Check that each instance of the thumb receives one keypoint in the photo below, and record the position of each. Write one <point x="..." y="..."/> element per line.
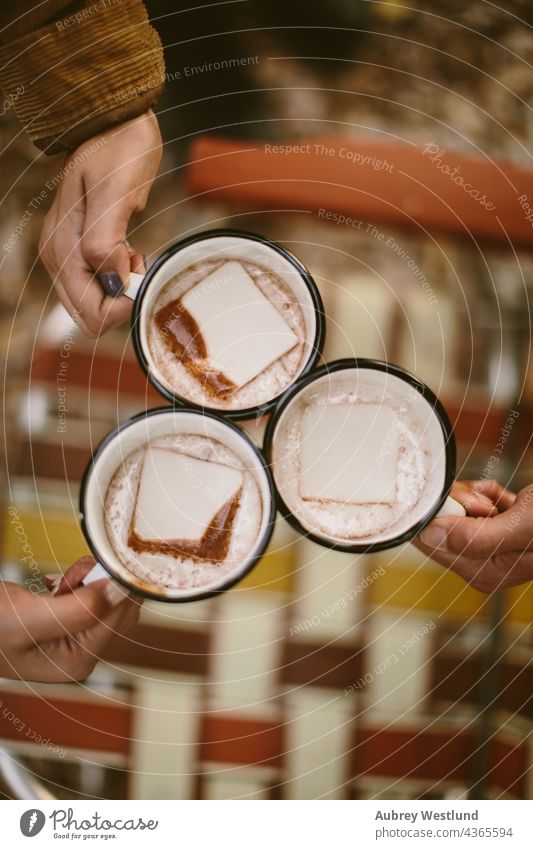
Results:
<point x="477" y="538"/>
<point x="107" y="217"/>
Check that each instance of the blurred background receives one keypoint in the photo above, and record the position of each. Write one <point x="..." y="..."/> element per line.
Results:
<point x="322" y="675"/>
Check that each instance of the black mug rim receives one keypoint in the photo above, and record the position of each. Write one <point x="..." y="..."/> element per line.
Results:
<point x="347" y="364"/>
<point x="233" y="579"/>
<point x="248" y="412"/>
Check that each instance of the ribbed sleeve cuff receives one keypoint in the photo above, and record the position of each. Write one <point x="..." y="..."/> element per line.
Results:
<point x="87" y="71"/>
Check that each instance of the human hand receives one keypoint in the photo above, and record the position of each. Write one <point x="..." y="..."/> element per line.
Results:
<point x="61" y="637"/>
<point x="105" y="181"/>
<point x="492" y="547"/>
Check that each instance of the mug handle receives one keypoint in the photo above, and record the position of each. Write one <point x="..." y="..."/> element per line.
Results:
<point x="134" y="284"/>
<point x="97" y="573"/>
<point x="451" y="507"/>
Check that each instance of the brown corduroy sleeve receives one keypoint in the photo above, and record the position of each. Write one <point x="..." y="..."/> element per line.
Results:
<point x="24" y="16"/>
<point x="98" y="66"/>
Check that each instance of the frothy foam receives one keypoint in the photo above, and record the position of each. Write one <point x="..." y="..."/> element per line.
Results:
<point x="176" y="571"/>
<point x="419" y="458"/>
<point x="272" y="381"/>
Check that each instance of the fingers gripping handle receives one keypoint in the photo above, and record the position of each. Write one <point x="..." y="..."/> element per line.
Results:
<point x="451" y="508"/>
<point x="112" y="285"/>
<point x="114" y="592"/>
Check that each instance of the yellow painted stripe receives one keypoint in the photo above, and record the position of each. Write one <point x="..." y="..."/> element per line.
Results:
<point x="520" y="603"/>
<point x="274" y="573"/>
<point x="55" y="537"/>
<point x="422" y="589"/>
<point x="446" y="593"/>
<point x="50" y="538"/>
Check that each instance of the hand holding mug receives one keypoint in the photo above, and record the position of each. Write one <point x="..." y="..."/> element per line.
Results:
<point x="492" y="547"/>
<point x="104" y="182"/>
<point x="60" y="637"/>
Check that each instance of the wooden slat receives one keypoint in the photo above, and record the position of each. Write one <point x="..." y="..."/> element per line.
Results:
<point x="172" y="649"/>
<point x="459" y="679"/>
<point x="322" y="666"/>
<point x="80" y="725"/>
<point x="97" y="370"/>
<point x="509" y="767"/>
<point x="413" y="191"/>
<point x="40" y="458"/>
<point x="407" y="754"/>
<point x="437" y="755"/>
<point x="477" y="425"/>
<point x="241" y="741"/>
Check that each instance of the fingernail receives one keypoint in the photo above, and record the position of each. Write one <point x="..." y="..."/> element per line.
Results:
<point x="434" y="537"/>
<point x="53" y="576"/>
<point x="111" y="283"/>
<point x="129" y="247"/>
<point x="114" y="594"/>
<point x="55" y="586"/>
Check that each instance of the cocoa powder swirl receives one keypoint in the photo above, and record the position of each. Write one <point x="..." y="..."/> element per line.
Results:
<point x="182" y="334"/>
<point x="212" y="547"/>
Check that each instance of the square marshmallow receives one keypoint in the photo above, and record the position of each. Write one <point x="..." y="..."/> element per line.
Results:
<point x="179" y="495"/>
<point x="243" y="332"/>
<point x="349" y="453"/>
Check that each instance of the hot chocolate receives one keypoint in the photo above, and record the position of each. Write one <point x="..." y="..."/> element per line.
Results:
<point x="177" y="504"/>
<point x="227" y="321"/>
<point x="183" y="511"/>
<point x="227" y="333"/>
<point x="358" y="456"/>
